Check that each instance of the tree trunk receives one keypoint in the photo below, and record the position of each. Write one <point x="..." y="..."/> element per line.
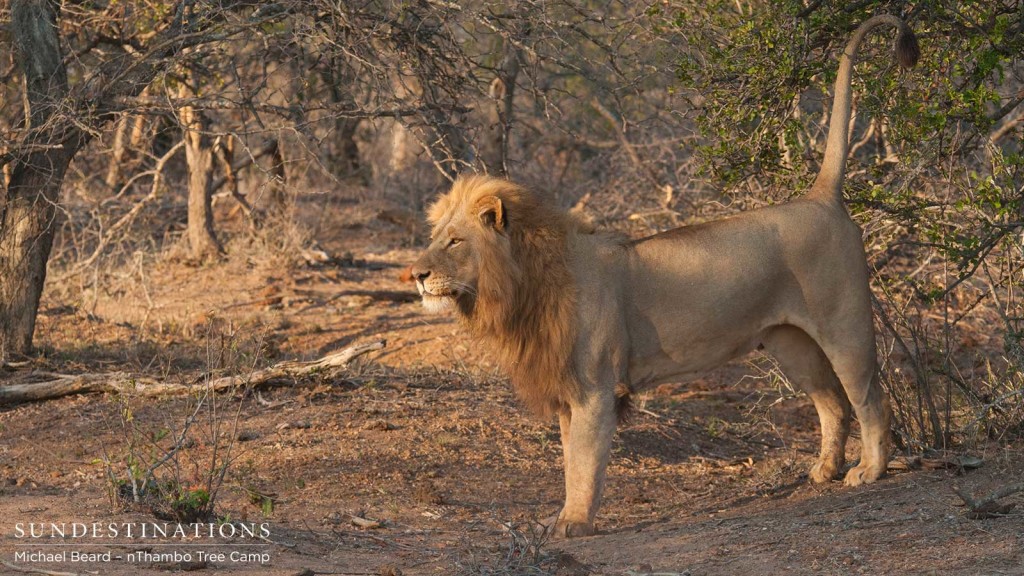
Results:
<point x="503" y="93"/>
<point x="344" y="151"/>
<point x="117" y="153"/>
<point x="347" y="155"/>
<point x="225" y="154"/>
<point x="29" y="212"/>
<point x="202" y="239"/>
<point x="278" y="195"/>
<point x="26" y="236"/>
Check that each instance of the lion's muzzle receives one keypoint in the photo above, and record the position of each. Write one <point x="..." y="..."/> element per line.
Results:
<point x="436" y="291"/>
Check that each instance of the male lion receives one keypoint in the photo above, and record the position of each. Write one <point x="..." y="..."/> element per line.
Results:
<point x="580" y="320"/>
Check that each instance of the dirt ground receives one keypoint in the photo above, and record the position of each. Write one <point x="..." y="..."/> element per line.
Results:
<point x="425" y="445"/>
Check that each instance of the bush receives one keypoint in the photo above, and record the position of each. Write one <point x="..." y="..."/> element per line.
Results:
<point x="934" y="178"/>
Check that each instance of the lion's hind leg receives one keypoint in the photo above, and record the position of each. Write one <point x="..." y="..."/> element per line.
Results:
<point x="806" y="366"/>
<point x="853" y="357"/>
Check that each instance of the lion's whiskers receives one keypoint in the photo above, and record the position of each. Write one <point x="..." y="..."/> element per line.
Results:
<point x="465" y="288"/>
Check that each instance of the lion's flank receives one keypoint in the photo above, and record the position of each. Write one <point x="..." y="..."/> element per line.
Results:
<point x="525" y="303"/>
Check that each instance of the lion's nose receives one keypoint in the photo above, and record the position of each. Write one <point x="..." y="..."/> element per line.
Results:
<point x="420" y="275"/>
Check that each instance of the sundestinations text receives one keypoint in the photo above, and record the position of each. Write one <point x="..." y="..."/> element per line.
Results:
<point x="37" y="530"/>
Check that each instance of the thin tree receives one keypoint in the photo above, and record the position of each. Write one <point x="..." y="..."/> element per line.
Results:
<point x="29" y="215"/>
<point x="60" y="121"/>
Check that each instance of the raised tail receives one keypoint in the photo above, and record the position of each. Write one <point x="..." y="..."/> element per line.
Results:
<point x="829" y="184"/>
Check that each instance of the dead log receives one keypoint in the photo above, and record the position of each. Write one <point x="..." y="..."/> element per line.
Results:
<point x="989" y="506"/>
<point x="37" y="385"/>
<point x="34" y="570"/>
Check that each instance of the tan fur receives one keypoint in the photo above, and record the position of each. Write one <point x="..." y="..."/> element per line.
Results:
<point x="580" y="320"/>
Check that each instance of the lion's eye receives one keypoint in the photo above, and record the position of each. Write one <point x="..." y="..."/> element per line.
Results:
<point x="454" y="242"/>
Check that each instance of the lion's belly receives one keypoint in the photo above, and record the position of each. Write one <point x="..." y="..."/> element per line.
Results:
<point x="688" y="360"/>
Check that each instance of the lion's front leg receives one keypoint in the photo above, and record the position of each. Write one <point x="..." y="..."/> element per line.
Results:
<point x="564" y="424"/>
<point x="587" y="431"/>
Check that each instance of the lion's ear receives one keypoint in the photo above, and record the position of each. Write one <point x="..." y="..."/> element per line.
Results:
<point x="491" y="212"/>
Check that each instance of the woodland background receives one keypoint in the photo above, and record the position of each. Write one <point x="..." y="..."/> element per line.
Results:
<point x="138" y="137"/>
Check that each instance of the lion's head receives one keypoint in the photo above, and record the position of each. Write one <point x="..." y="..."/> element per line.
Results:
<point x="469" y="225"/>
<point x="497" y="256"/>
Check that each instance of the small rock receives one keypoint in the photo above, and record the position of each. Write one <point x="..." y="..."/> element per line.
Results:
<point x="382" y="425"/>
<point x="366" y="523"/>
<point x="427" y="493"/>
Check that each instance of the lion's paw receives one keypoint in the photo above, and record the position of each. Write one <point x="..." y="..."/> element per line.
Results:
<point x="559" y="527"/>
<point x="863" y="474"/>
<point x="566" y="529"/>
<point x="824" y="471"/>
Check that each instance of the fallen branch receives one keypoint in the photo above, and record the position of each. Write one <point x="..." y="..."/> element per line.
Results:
<point x="25" y="570"/>
<point x="988" y="507"/>
<point x="36" y="386"/>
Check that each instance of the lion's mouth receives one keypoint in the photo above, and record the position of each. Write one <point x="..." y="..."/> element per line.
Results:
<point x="437" y="303"/>
<point x="426" y="293"/>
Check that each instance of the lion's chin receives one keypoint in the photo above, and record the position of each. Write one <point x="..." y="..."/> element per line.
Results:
<point x="438" y="304"/>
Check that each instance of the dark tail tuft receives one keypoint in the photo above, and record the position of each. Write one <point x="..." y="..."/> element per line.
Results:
<point x="907" y="49"/>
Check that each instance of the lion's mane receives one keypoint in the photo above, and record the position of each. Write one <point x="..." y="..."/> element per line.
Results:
<point x="525" y="304"/>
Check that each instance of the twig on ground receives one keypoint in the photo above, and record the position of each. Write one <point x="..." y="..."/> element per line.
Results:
<point x="649" y="413"/>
